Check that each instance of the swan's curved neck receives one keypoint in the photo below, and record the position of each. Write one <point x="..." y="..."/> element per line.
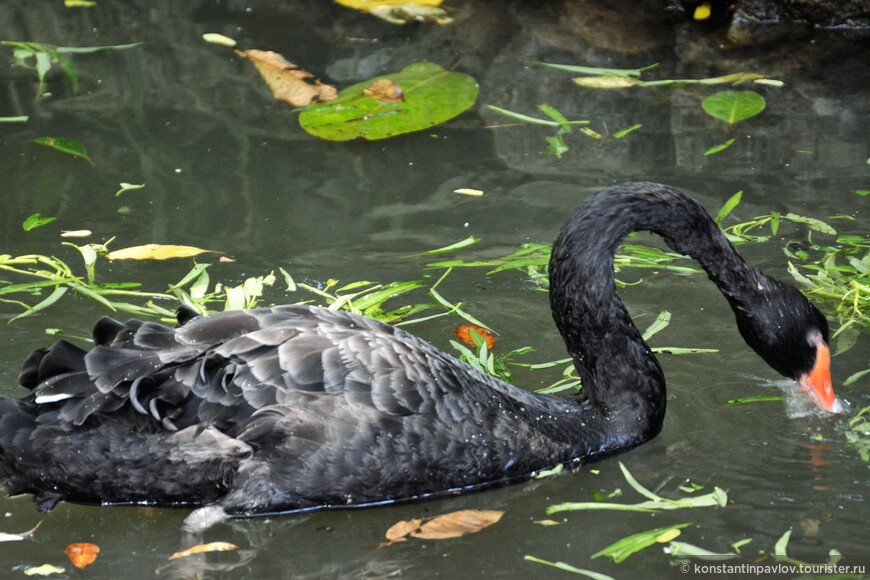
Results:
<point x="621" y="377"/>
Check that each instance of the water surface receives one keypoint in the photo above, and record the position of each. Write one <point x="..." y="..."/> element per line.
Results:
<point x="226" y="168"/>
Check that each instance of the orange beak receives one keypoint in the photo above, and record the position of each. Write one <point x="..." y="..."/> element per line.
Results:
<point x="817" y="382"/>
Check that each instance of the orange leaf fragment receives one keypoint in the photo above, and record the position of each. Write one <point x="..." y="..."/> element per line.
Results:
<point x="203" y="548"/>
<point x="385" y="91"/>
<point x="464" y="331"/>
<point x="452" y="525"/>
<point x="82" y="554"/>
<point x="288" y="82"/>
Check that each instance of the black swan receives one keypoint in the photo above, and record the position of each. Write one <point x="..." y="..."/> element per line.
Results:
<point x="299" y="407"/>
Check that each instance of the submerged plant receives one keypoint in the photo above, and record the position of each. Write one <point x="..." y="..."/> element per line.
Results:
<point x="41" y="57"/>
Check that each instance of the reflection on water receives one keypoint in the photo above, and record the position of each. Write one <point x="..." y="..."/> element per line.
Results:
<point x="226" y="168"/>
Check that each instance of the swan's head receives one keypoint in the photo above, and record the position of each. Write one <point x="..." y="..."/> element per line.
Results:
<point x="791" y="335"/>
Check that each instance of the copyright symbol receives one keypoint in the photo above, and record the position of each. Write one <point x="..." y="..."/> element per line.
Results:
<point x="684" y="568"/>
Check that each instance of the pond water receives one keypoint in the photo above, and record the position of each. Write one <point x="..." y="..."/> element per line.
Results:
<point x="227" y="168"/>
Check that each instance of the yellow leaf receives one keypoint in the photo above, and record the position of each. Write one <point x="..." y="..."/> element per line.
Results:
<point x="401" y="11"/>
<point x="468" y="191"/>
<point x="452" y="525"/>
<point x="203" y="548"/>
<point x="288" y="82"/>
<point x="456" y="524"/>
<point x="606" y="82"/>
<point x="215" y="38"/>
<point x="366" y="5"/>
<point x="547" y="523"/>
<point x="75" y="233"/>
<point x="702" y="11"/>
<point x="667" y="535"/>
<point x="399" y="531"/>
<point x="155" y="252"/>
<point x="44" y="570"/>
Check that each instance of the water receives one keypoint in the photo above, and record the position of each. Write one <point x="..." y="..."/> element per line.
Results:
<point x="225" y="168"/>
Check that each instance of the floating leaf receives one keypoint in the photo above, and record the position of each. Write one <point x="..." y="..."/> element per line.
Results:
<point x="203" y="548"/>
<point x="288" y="82"/>
<point x="550" y="472"/>
<point x="19" y="119"/>
<point x="812" y="223"/>
<point x="569" y="568"/>
<point x="44" y="570"/>
<point x="385" y="91"/>
<point x="718" y="497"/>
<point x="469" y="191"/>
<point x="432" y="96"/>
<point x="533" y="120"/>
<point x="862" y="192"/>
<point x="464" y="333"/>
<point x="592" y="70"/>
<point x="155" y="252"/>
<point x="546" y="522"/>
<point x="452" y="525"/>
<point x="684" y="550"/>
<point x="215" y="38"/>
<point x="125" y="187"/>
<point x="469" y="241"/>
<point x="79" y="3"/>
<point x="626" y="131"/>
<point x="660" y="323"/>
<point x="720" y="147"/>
<point x="606" y="82"/>
<point x="782" y="544"/>
<point x="728" y="207"/>
<point x="64" y="145"/>
<point x="733" y="106"/>
<point x="51" y="299"/>
<point x="36" y="220"/>
<point x="855" y="376"/>
<point x="82" y="554"/>
<point x="619" y="551"/>
<point x="401" y="11"/>
<point x="5" y="537"/>
<point x="75" y="233"/>
<point x="755" y="399"/>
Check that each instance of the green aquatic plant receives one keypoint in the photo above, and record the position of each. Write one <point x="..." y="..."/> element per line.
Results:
<point x="556" y="143"/>
<point x="41" y="57"/>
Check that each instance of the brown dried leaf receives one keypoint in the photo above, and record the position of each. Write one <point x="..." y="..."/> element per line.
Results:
<point x="385" y="91"/>
<point x="456" y="524"/>
<point x="202" y="548"/>
<point x="400" y="530"/>
<point x="288" y="82"/>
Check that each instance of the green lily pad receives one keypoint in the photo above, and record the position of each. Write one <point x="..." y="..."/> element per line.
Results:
<point x="734" y="106"/>
<point x="427" y="95"/>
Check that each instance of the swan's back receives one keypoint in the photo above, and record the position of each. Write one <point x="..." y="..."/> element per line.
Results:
<point x="270" y="410"/>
